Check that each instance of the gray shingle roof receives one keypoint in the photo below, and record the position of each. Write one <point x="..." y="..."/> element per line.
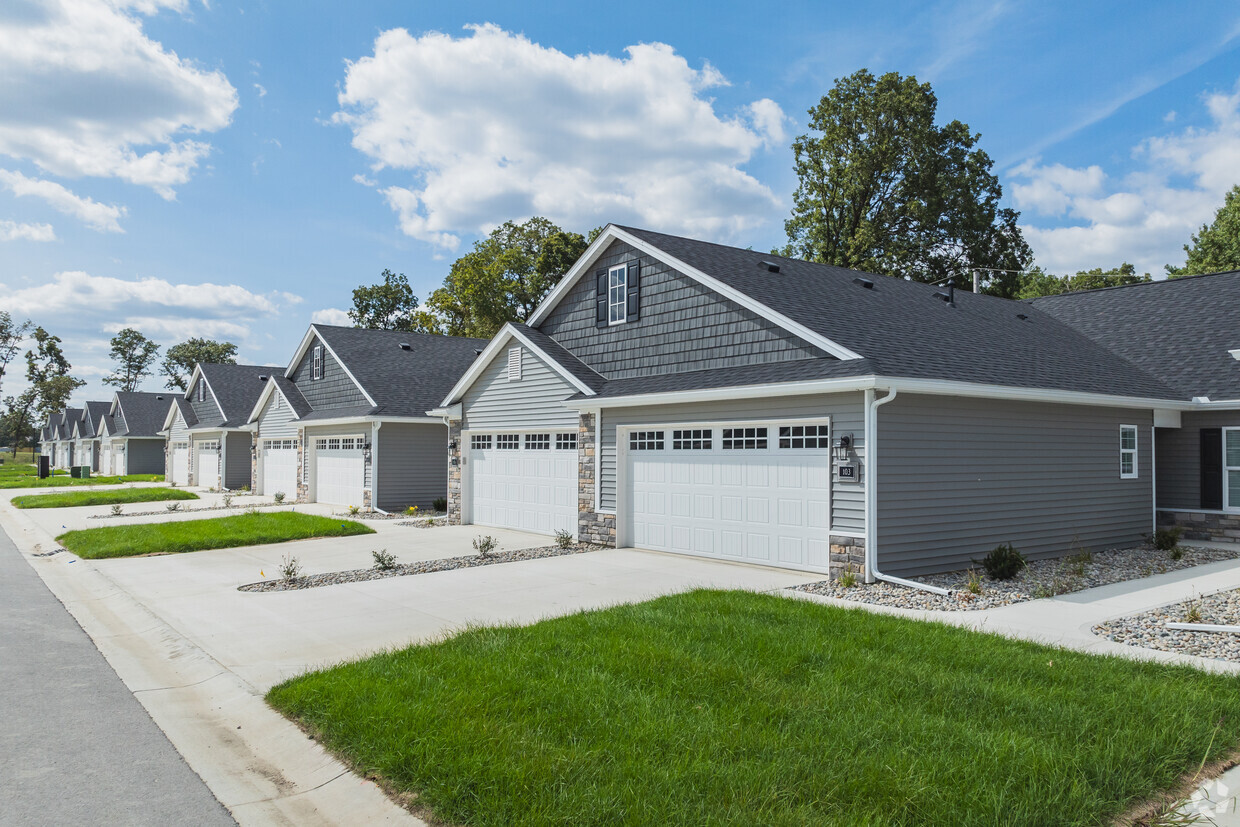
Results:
<point x="1178" y="330"/>
<point x="401" y="382"/>
<point x="797" y="371"/>
<point x="144" y="412"/>
<point x="295" y="400"/>
<point x="236" y="388"/>
<point x="92" y="419"/>
<point x="64" y="428"/>
<point x="187" y="411"/>
<point x="904" y="331"/>
<point x="562" y="357"/>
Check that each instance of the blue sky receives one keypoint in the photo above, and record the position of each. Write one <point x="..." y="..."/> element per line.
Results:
<point x="233" y="170"/>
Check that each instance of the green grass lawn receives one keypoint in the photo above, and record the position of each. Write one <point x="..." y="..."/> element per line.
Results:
<point x="197" y="535"/>
<point x="26" y="476"/>
<point x="117" y="496"/>
<point x="738" y="708"/>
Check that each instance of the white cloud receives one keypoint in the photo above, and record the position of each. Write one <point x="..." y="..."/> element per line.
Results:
<point x="101" y="217"/>
<point x="1144" y="217"/>
<point x="14" y="231"/>
<point x="331" y="315"/>
<point x="262" y="93"/>
<point x="493" y="127"/>
<point x="364" y="181"/>
<point x="87" y="93"/>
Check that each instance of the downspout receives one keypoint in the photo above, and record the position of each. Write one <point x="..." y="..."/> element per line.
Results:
<point x="872" y="573"/>
<point x="374" y="466"/>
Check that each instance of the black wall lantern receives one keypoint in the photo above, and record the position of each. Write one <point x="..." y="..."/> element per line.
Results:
<point x="366" y="452"/>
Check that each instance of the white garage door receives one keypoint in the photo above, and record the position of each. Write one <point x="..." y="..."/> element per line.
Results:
<point x="759" y="493"/>
<point x="105" y="460"/>
<point x="526" y="481"/>
<point x="118" y="459"/>
<point x="339" y="470"/>
<point x="180" y="463"/>
<point x="279" y="472"/>
<point x="207" y="463"/>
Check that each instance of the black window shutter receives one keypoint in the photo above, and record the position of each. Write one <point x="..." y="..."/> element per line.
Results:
<point x="600" y="279"/>
<point x="634" y="298"/>
<point x="1212" y="468"/>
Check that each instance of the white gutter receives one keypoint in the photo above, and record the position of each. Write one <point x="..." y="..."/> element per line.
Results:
<point x="871" y="498"/>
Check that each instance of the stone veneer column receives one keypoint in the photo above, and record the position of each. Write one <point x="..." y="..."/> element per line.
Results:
<point x="454" y="473"/>
<point x="847" y="553"/>
<point x="254" y="459"/>
<point x="592" y="527"/>
<point x="301" y="461"/>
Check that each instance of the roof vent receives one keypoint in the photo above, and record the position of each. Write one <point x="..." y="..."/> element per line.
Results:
<point x="866" y="283"/>
<point x="477" y="351"/>
<point x="771" y="267"/>
<point x="1021" y="316"/>
<point x="159" y="399"/>
<point x="262" y="377"/>
<point x="405" y="346"/>
<point x="939" y="294"/>
<point x="949" y="296"/>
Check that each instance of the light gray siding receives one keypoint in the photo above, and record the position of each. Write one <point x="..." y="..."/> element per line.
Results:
<point x="845" y="410"/>
<point x="957" y="477"/>
<point x="178" y="432"/>
<point x="144" y="456"/>
<point x="237" y="460"/>
<point x="277" y="422"/>
<point x="532" y="402"/>
<point x="1178" y="456"/>
<point x="682" y="326"/>
<point x="334" y="390"/>
<point x="412" y="465"/>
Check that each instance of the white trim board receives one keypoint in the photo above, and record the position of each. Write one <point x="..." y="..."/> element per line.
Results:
<point x="265" y="395"/>
<point x="612" y="233"/>
<point x="507" y="332"/>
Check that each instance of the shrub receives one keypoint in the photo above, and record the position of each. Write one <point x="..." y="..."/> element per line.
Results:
<point x="290" y="567"/>
<point x="278" y="496"/>
<point x="973" y="582"/>
<point x="173" y="506"/>
<point x="228" y="500"/>
<point x="1166" y="539"/>
<point x="245" y="489"/>
<point x="353" y="509"/>
<point x="848" y="578"/>
<point x="1003" y="562"/>
<point x="1176" y="553"/>
<point x="440" y="504"/>
<point x="1192" y="612"/>
<point x="116" y="510"/>
<point x="564" y="538"/>
<point x="485" y="544"/>
<point x="384" y="560"/>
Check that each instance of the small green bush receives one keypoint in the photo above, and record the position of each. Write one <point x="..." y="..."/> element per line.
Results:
<point x="278" y="496"/>
<point x="116" y="510"/>
<point x="173" y="506"/>
<point x="440" y="503"/>
<point x="484" y="545"/>
<point x="1166" y="539"/>
<point x="973" y="582"/>
<point x="848" y="578"/>
<point x="290" y="567"/>
<point x="564" y="538"/>
<point x="1003" y="562"/>
<point x="384" y="560"/>
<point x="228" y="500"/>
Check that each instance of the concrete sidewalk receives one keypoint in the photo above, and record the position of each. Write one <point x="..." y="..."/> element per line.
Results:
<point x="76" y="747"/>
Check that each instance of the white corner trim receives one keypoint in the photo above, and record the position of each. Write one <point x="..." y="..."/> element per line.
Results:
<point x="507" y="332"/>
<point x="311" y="335"/>
<point x="613" y="233"/>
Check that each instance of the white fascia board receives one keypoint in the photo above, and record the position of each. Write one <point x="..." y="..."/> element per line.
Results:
<point x="170" y="417"/>
<point x="852" y="383"/>
<point x="1222" y="404"/>
<point x="311" y="335"/>
<point x="981" y="391"/>
<point x="270" y="388"/>
<point x="453" y="412"/>
<point x="612" y="233"/>
<point x="365" y="420"/>
<point x="189" y="388"/>
<point x="300" y="352"/>
<point x="480" y="364"/>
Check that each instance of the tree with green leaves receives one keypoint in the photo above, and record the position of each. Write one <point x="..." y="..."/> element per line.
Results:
<point x="134" y="354"/>
<point x="1037" y="282"/>
<point x="50" y="385"/>
<point x="502" y="279"/>
<point x="883" y="188"/>
<point x="1216" y="246"/>
<point x="12" y="334"/>
<point x="390" y="305"/>
<point x="179" y="360"/>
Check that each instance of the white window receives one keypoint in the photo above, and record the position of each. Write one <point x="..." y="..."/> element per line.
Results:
<point x="1128" y="452"/>
<point x="697" y="439"/>
<point x="202" y="391"/>
<point x="750" y="439"/>
<point x="538" y="442"/>
<point x="320" y="444"/>
<point x="316" y="362"/>
<point x="566" y="442"/>
<point x="480" y="442"/>
<point x="514" y="364"/>
<point x="646" y="441"/>
<point x="617" y="293"/>
<point x="1231" y="468"/>
<point x="508" y="442"/>
<point x="803" y="436"/>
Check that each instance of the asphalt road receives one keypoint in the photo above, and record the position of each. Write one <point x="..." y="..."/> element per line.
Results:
<point x="76" y="747"/>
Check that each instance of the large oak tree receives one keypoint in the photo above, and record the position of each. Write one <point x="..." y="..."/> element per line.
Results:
<point x="1216" y="246"/>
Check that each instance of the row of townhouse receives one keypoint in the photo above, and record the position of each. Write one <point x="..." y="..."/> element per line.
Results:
<point x="681" y="396"/>
<point x="116" y="437"/>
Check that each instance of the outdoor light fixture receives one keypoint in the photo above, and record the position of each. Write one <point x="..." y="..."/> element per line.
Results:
<point x="366" y="452"/>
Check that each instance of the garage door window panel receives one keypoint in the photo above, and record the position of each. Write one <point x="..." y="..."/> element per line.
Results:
<point x="566" y="442"/>
<point x="480" y="442"/>
<point x="646" y="441"/>
<point x="747" y="439"/>
<point x="538" y="442"/>
<point x="507" y="442"/>
<point x="697" y="439"/>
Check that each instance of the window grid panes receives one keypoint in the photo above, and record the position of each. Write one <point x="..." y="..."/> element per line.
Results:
<point x="507" y="442"/>
<point x="480" y="442"/>
<point x="696" y="439"/>
<point x="538" y="442"/>
<point x="617" y="292"/>
<point x="744" y="439"/>
<point x="1231" y="459"/>
<point x="566" y="442"/>
<point x="803" y="436"/>
<point x="646" y="441"/>
<point x="1128" y="451"/>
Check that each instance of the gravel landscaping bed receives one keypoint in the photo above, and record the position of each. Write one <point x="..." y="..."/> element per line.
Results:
<point x="379" y="515"/>
<point x="470" y="561"/>
<point x="183" y="510"/>
<point x="1148" y="629"/>
<point x="1041" y="578"/>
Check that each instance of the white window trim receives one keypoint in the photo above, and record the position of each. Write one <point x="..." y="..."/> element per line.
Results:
<point x="515" y="361"/>
<point x="623" y="304"/>
<point x="316" y="363"/>
<point x="1227" y="509"/>
<point x="1136" y="442"/>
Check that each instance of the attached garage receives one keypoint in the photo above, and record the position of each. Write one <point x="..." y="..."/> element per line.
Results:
<point x="179" y="455"/>
<point x="207" y="463"/>
<point x="526" y="481"/>
<point x="751" y="492"/>
<point x="340" y="470"/>
<point x="105" y="460"/>
<point x="279" y="467"/>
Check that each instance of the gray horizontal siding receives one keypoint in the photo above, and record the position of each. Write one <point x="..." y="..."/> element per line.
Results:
<point x="533" y="402"/>
<point x="276" y="422"/>
<point x="957" y="477"/>
<point x="682" y="326"/>
<point x="412" y="465"/>
<point x="334" y="390"/>
<point x="846" y="411"/>
<point x="1178" y="461"/>
<point x="178" y="432"/>
<point x="237" y="460"/>
<point x="208" y="410"/>
<point x="144" y="456"/>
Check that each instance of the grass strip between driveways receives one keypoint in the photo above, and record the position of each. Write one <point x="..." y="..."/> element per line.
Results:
<point x="738" y="708"/>
<point x="27" y="477"/>
<point x="117" y="496"/>
<point x="198" y="535"/>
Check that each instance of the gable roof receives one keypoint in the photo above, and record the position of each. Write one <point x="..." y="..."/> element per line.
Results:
<point x="903" y="330"/>
<point x="288" y="389"/>
<point x="572" y="369"/>
<point x="236" y="388"/>
<point x="64" y="428"/>
<point x="142" y="413"/>
<point x="92" y="418"/>
<point x="1178" y="330"/>
<point x="399" y="382"/>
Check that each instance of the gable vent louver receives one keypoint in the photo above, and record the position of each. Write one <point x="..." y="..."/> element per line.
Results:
<point x="769" y="266"/>
<point x="866" y="283"/>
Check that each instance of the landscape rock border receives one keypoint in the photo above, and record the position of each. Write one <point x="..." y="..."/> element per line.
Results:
<point x="1148" y="630"/>
<point x="239" y="508"/>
